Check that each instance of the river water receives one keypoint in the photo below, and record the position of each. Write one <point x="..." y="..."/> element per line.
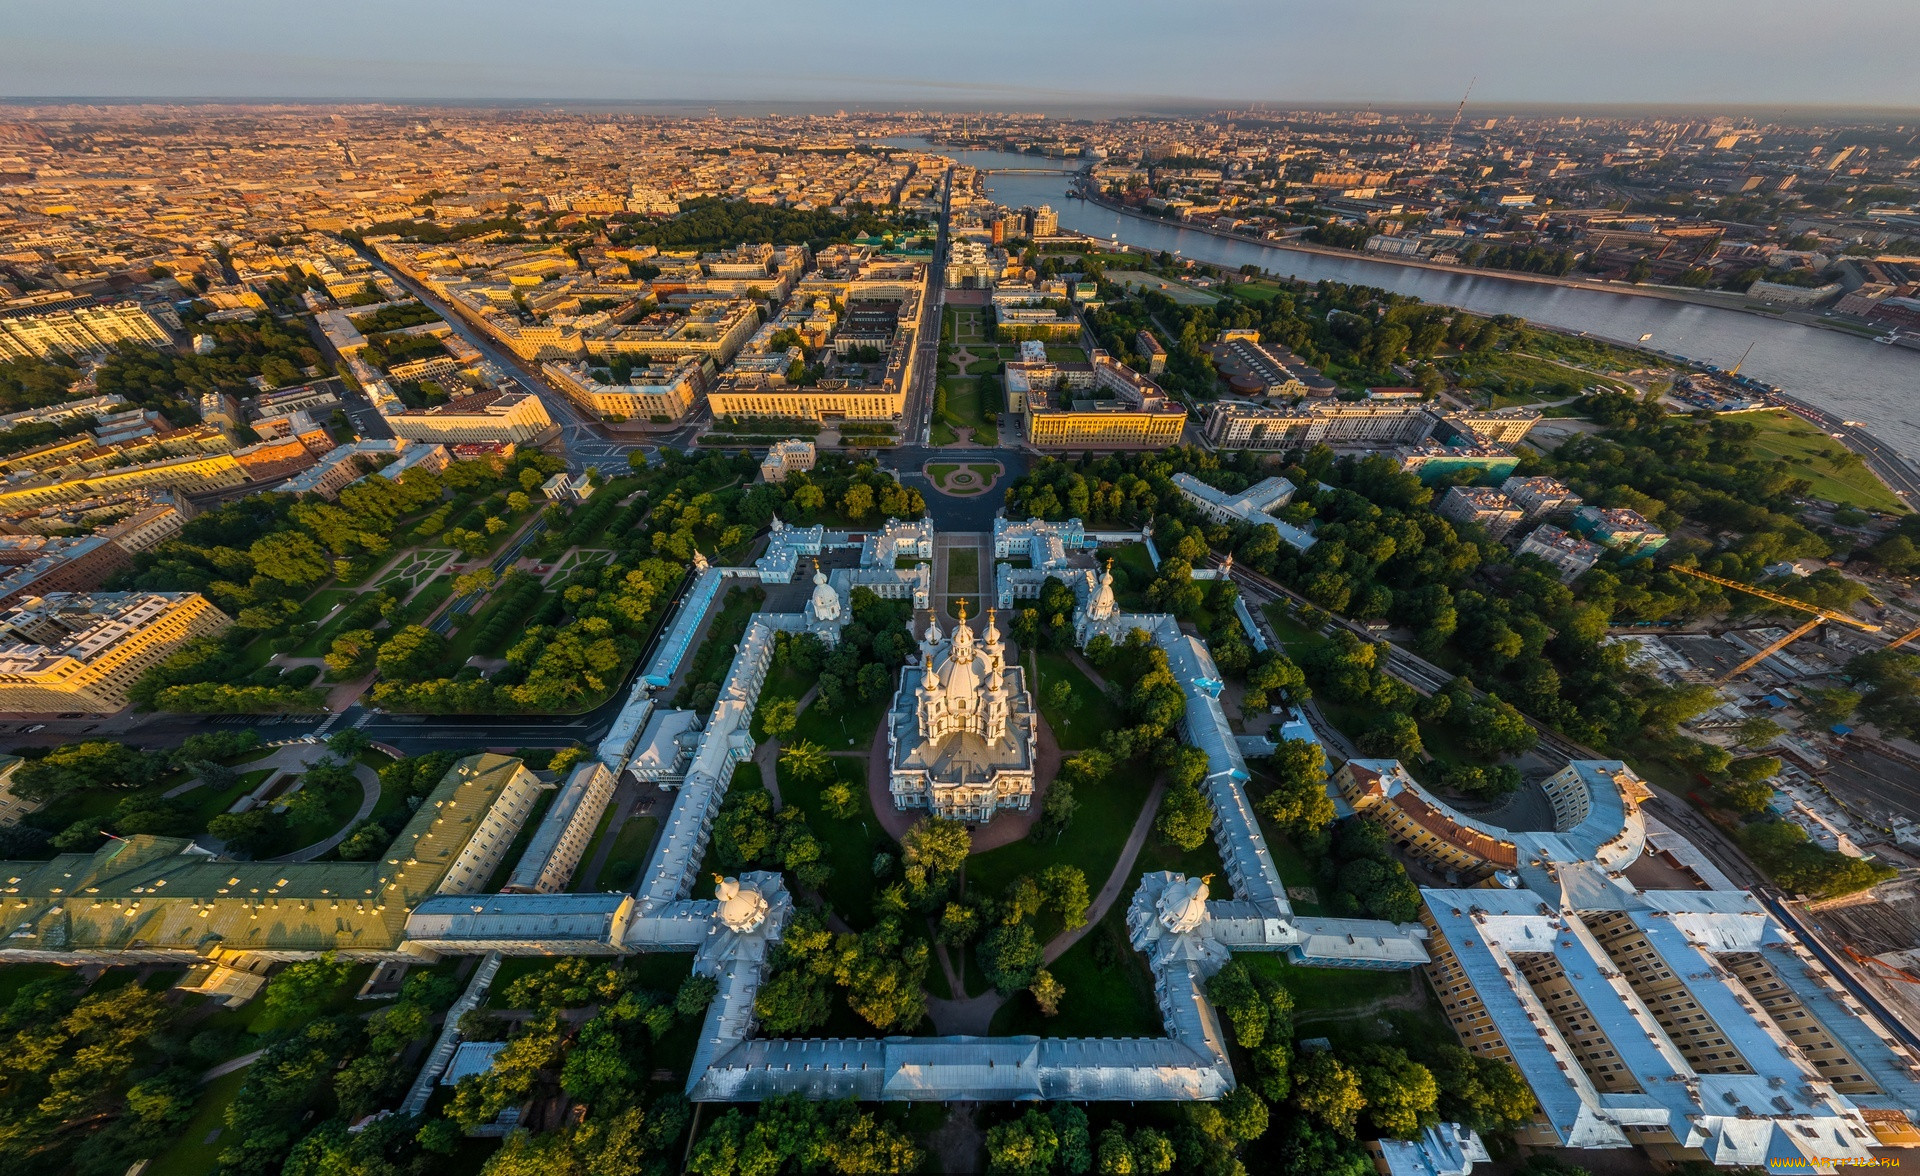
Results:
<point x="1855" y="378"/>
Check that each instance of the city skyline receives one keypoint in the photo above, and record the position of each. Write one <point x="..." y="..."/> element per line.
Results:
<point x="1713" y="52"/>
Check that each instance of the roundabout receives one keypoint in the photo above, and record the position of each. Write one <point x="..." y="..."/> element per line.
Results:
<point x="963" y="480"/>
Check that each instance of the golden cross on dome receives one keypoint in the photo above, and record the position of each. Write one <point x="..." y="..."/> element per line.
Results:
<point x="963" y="610"/>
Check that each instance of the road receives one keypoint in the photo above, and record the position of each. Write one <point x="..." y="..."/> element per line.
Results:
<point x="916" y="424"/>
<point x="1889" y="465"/>
<point x="586" y="443"/>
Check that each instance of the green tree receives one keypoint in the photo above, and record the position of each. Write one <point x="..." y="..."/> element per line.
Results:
<point x="1027" y="1146"/>
<point x="292" y="557"/>
<point x="931" y="852"/>
<point x="1010" y="955"/>
<point x="1485" y="1093"/>
<point x="1325" y="1089"/>
<point x="806" y="760"/>
<point x="1185" y="817"/>
<point x="412" y="654"/>
<point x="1400" y="1093"/>
<point x="301" y="990"/>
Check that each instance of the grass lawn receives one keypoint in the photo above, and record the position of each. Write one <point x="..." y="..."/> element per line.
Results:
<point x="422" y="606"/>
<point x="1060" y="353"/>
<point x="466" y="635"/>
<point x="783" y="682"/>
<point x="942" y="433"/>
<point x="984" y="367"/>
<point x="1290" y="631"/>
<point x="1787" y="439"/>
<point x="971" y="401"/>
<point x="850" y="728"/>
<point x="1087" y="716"/>
<point x="205" y="802"/>
<point x="192" y="1153"/>
<point x="415" y="568"/>
<point x="963" y="570"/>
<point x="1115" y="1000"/>
<point x="1092" y="842"/>
<point x="322" y="638"/>
<point x="849" y="843"/>
<point x="303" y="831"/>
<point x="724" y="631"/>
<point x="1159" y="854"/>
<point x="629" y="853"/>
<point x="14" y="977"/>
<point x="1328" y="990"/>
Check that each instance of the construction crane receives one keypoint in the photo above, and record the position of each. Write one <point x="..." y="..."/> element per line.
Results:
<point x="1867" y="961"/>
<point x="1743" y="359"/>
<point x="1820" y="615"/>
<point x="1446" y="144"/>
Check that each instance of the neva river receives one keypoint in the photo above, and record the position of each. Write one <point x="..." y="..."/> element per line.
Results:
<point x="1854" y="378"/>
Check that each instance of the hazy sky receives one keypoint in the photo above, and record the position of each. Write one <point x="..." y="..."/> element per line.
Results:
<point x="966" y="54"/>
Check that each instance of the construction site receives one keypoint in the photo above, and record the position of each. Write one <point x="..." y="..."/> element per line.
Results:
<point x="1852" y="790"/>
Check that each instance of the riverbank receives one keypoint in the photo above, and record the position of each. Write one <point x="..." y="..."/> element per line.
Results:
<point x="1716" y="300"/>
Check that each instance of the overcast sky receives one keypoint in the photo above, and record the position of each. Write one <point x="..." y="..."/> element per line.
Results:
<point x="974" y="54"/>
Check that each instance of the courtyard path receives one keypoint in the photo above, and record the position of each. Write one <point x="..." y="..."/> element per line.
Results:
<point x="1117" y="882"/>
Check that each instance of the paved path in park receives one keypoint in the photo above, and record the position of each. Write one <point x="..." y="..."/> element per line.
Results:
<point x="369" y="797"/>
<point x="1118" y="881"/>
<point x="973" y="1016"/>
<point x="230" y="1065"/>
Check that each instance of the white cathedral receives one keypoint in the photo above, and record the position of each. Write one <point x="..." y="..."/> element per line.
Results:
<point x="962" y="733"/>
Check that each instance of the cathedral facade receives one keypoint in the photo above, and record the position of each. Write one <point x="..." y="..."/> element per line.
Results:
<point x="962" y="734"/>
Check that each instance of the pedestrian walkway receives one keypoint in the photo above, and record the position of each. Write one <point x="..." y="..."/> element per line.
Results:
<point x="1118" y="882"/>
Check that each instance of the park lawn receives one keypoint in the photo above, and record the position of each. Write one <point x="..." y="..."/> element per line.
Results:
<point x="322" y="638"/>
<point x="1516" y="371"/>
<point x="1086" y="718"/>
<point x="466" y="636"/>
<point x="1293" y="866"/>
<point x="422" y="606"/>
<point x="1256" y="291"/>
<point x="1328" y="990"/>
<point x="391" y="809"/>
<point x="942" y="433"/>
<point x="783" y="682"/>
<point x="850" y="728"/>
<point x="963" y="570"/>
<point x="1113" y="1001"/>
<point x="1092" y="841"/>
<point x="1291" y="632"/>
<point x="628" y="854"/>
<point x="1160" y="854"/>
<point x="1791" y="441"/>
<point x="967" y="402"/>
<point x="191" y="1153"/>
<point x="306" y="830"/>
<point x="848" y="844"/>
<point x="724" y="631"/>
<point x="14" y="977"/>
<point x="984" y="367"/>
<point x="1066" y="354"/>
<point x="205" y="803"/>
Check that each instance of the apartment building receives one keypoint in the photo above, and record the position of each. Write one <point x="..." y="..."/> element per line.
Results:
<point x="1253" y="505"/>
<point x="1133" y="413"/>
<point x="767" y="394"/>
<point x="1620" y="528"/>
<point x="1239" y="425"/>
<point x="787" y="457"/>
<point x="488" y="416"/>
<point x="1571" y="555"/>
<point x="1253" y="368"/>
<point x="86" y="329"/>
<point x="1484" y="506"/>
<point x="1688" y="1023"/>
<point x="711" y="330"/>
<point x="345" y="465"/>
<point x="1016" y="323"/>
<point x="553" y="853"/>
<point x="193" y="908"/>
<point x="191" y="474"/>
<point x="657" y="392"/>
<point x="1540" y="497"/>
<point x="81" y="652"/>
<point x="58" y="564"/>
